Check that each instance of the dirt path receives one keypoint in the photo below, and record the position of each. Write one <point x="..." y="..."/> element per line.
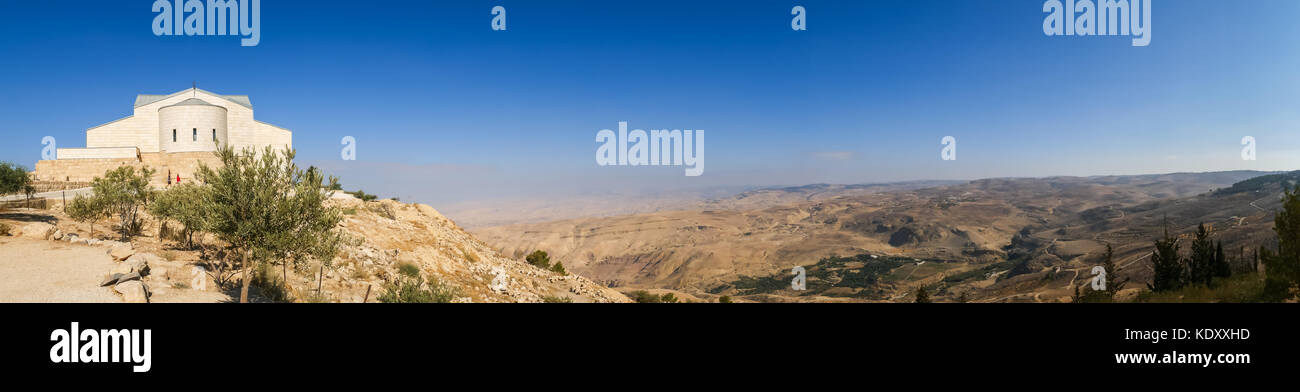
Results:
<point x="48" y="271"/>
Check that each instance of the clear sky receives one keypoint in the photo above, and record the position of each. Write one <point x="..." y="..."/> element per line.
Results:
<point x="445" y="109"/>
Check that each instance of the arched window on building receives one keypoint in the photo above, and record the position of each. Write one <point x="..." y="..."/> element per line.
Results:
<point x="196" y="135"/>
<point x="214" y="135"/>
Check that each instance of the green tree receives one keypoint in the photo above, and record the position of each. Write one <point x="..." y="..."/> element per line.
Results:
<point x="1169" y="270"/>
<point x="922" y="297"/>
<point x="270" y="211"/>
<point x="559" y="268"/>
<point x="13" y="179"/>
<point x="540" y="259"/>
<point x="1283" y="266"/>
<point x="186" y="204"/>
<point x="1222" y="268"/>
<point x="668" y="298"/>
<point x="726" y="299"/>
<point x="1201" y="267"/>
<point x="86" y="209"/>
<point x="122" y="192"/>
<point x="1113" y="282"/>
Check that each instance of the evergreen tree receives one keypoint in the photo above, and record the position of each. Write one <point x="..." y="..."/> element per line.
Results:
<point x="1222" y="268"/>
<point x="922" y="297"/>
<point x="1201" y="266"/>
<point x="1169" y="271"/>
<point x="1113" y="282"/>
<point x="1283" y="267"/>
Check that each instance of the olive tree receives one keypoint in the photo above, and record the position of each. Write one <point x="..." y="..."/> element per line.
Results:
<point x="14" y="179"/>
<point x="185" y="204"/>
<point x="86" y="209"/>
<point x="269" y="210"/>
<point x="122" y="192"/>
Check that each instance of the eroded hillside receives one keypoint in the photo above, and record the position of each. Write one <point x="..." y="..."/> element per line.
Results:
<point x="995" y="239"/>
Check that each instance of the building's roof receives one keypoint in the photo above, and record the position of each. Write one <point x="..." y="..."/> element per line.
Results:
<point x="145" y="99"/>
<point x="191" y="102"/>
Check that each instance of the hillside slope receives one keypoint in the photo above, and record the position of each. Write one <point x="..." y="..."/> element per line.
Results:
<point x="1058" y="223"/>
<point x="393" y="233"/>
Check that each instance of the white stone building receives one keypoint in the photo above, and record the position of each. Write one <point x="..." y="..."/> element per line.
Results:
<point x="169" y="133"/>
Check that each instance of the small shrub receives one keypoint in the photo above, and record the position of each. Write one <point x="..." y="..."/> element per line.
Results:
<point x="540" y="259"/>
<point x="668" y="298"/>
<point x="644" y="297"/>
<point x="5" y="229"/>
<point x="350" y="211"/>
<point x="360" y="194"/>
<point x="409" y="270"/>
<point x="317" y="298"/>
<point x="180" y="285"/>
<point x="726" y="299"/>
<point x="360" y="273"/>
<point x="271" y="284"/>
<point x="385" y="210"/>
<point x="559" y="269"/>
<point x="416" y="290"/>
<point x="551" y="299"/>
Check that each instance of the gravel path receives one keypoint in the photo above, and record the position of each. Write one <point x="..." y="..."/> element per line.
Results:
<point x="48" y="271"/>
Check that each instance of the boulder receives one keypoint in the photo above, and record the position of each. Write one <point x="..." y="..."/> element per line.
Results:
<point x="118" y="277"/>
<point x="111" y="279"/>
<point x="38" y="230"/>
<point x="121" y="268"/>
<point x="121" y="252"/>
<point x="139" y="262"/>
<point x="133" y="292"/>
<point x="58" y="235"/>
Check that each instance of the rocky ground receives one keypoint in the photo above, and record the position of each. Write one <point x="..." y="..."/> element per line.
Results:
<point x="47" y="257"/>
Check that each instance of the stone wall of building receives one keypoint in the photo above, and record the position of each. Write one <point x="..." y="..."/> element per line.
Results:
<point x="192" y="128"/>
<point x="99" y="153"/>
<point x="84" y="170"/>
<point x="80" y="170"/>
<point x="186" y="164"/>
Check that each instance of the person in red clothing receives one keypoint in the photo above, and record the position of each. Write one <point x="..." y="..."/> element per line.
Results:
<point x="178" y="178"/>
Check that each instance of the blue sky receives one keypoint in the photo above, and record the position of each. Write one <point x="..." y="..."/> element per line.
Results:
<point x="445" y="109"/>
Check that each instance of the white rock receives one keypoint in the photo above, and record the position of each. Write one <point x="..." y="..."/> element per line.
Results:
<point x="133" y="292"/>
<point x="38" y="230"/>
<point x="121" y="252"/>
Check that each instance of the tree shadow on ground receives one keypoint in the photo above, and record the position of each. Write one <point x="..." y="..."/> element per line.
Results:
<point x="28" y="217"/>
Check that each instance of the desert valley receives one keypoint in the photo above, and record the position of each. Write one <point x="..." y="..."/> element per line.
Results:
<point x="991" y="240"/>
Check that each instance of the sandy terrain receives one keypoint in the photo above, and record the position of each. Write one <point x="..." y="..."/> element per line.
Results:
<point x="48" y="271"/>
